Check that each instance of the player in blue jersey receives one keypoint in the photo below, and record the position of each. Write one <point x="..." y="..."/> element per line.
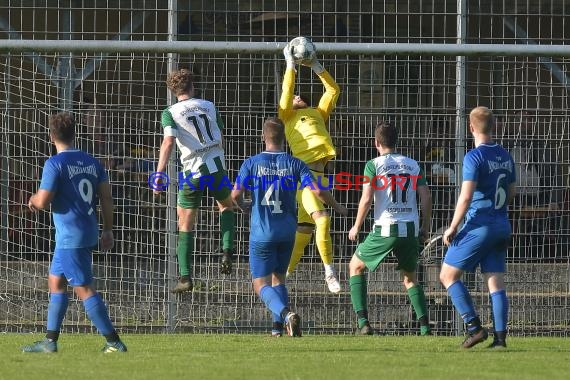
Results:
<point x="73" y="182"/>
<point x="488" y="187"/>
<point x="272" y="177"/>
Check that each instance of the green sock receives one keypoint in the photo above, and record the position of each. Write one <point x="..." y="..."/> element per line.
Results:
<point x="227" y="227"/>
<point x="184" y="251"/>
<point x="358" y="297"/>
<point x="424" y="330"/>
<point x="418" y="299"/>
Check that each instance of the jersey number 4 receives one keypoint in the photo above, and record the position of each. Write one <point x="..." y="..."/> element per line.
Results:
<point x="275" y="202"/>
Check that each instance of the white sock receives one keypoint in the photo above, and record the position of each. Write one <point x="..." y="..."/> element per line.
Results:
<point x="328" y="269"/>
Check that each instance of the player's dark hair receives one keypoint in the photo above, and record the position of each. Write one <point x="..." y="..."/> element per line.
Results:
<point x="180" y="81"/>
<point x="62" y="127"/>
<point x="386" y="134"/>
<point x="274" y="130"/>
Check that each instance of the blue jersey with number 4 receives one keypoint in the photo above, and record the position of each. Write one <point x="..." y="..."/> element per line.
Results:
<point x="74" y="177"/>
<point x="272" y="178"/>
<point x="492" y="167"/>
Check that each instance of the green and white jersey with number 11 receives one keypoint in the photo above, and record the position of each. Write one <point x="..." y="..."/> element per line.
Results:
<point x="197" y="126"/>
<point x="395" y="179"/>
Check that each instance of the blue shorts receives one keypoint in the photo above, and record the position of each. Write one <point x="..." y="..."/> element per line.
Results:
<point x="75" y="264"/>
<point x="266" y="258"/>
<point x="484" y="245"/>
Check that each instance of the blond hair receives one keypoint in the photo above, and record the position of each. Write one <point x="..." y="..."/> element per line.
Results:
<point x="482" y="120"/>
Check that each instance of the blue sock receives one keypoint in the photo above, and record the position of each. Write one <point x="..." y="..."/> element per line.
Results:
<point x="500" y="304"/>
<point x="462" y="301"/>
<point x="98" y="314"/>
<point x="281" y="289"/>
<point x="271" y="299"/>
<point x="56" y="310"/>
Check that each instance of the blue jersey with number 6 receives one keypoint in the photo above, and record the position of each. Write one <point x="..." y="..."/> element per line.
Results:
<point x="272" y="178"/>
<point x="492" y="167"/>
<point x="74" y="177"/>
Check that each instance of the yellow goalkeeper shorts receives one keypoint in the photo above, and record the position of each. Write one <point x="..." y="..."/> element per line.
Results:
<point x="308" y="202"/>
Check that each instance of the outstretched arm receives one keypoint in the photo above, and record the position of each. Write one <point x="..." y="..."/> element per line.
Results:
<point x="329" y="98"/>
<point x="285" y="107"/>
<point x="332" y="90"/>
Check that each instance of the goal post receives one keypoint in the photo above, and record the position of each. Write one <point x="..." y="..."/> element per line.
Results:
<point x="117" y="91"/>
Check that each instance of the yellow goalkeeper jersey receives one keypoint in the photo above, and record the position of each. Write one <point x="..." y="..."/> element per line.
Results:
<point x="305" y="129"/>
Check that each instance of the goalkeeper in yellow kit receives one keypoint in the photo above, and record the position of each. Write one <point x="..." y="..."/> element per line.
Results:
<point x="309" y="140"/>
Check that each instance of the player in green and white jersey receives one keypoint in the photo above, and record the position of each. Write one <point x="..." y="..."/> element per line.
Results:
<point x="196" y="127"/>
<point x="393" y="182"/>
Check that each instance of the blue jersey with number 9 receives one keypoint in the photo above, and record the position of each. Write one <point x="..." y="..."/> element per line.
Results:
<point x="272" y="178"/>
<point x="492" y="167"/>
<point x="74" y="176"/>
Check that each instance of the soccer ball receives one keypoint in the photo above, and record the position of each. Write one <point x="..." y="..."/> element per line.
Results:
<point x="303" y="50"/>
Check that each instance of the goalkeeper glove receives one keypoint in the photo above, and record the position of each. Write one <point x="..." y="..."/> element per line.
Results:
<point x="288" y="54"/>
<point x="314" y="64"/>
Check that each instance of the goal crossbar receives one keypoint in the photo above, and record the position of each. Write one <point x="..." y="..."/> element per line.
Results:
<point x="233" y="47"/>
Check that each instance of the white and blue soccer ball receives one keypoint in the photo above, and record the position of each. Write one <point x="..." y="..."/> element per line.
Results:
<point x="303" y="50"/>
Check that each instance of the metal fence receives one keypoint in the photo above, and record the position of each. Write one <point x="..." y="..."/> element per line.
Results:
<point x="117" y="97"/>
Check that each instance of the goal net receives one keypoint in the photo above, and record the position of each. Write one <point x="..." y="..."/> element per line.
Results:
<point x="117" y="106"/>
<point x="117" y="97"/>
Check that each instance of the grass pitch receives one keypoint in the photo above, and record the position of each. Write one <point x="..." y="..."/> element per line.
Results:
<point x="197" y="356"/>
